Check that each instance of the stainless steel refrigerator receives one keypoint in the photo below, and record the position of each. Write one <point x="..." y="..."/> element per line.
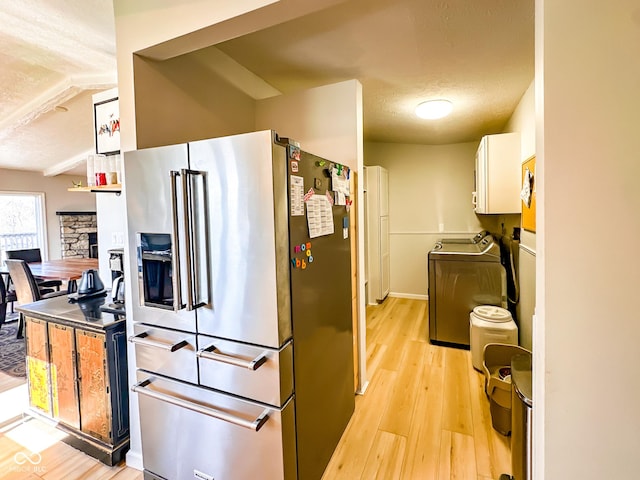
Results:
<point x="241" y="308"/>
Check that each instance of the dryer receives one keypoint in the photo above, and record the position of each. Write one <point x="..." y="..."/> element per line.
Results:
<point x="462" y="276"/>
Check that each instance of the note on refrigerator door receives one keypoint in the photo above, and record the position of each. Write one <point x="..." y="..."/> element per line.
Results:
<point x="319" y="216"/>
<point x="297" y="195"/>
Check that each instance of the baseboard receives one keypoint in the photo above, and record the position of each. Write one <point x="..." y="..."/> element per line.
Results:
<point x="361" y="391"/>
<point x="413" y="296"/>
<point x="134" y="460"/>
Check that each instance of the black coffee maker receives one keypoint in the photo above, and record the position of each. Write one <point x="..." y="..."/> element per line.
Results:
<point x="116" y="262"/>
<point x="116" y="265"/>
<point x="117" y="290"/>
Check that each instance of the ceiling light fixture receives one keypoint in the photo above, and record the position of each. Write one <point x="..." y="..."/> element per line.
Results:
<point x="434" y="109"/>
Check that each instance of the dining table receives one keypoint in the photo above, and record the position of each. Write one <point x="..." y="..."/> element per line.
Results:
<point x="66" y="269"/>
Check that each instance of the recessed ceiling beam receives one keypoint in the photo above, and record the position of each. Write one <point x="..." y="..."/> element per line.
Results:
<point x="61" y="92"/>
<point x="66" y="165"/>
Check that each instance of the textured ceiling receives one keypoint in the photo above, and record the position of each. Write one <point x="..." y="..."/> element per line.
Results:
<point x="53" y="53"/>
<point x="479" y="54"/>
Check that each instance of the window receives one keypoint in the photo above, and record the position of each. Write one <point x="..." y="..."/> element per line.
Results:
<point x="22" y="222"/>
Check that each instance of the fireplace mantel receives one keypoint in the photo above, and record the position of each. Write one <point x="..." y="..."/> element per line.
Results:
<point x="75" y="213"/>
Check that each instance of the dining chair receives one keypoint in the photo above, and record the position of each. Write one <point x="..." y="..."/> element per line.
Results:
<point x="6" y="297"/>
<point x="30" y="255"/>
<point x="26" y="287"/>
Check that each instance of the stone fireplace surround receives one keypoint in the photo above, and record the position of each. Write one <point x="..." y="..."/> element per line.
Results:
<point x="78" y="234"/>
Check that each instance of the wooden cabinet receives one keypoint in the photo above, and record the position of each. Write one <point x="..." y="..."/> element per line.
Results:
<point x="498" y="174"/>
<point x="37" y="345"/>
<point x="77" y="375"/>
<point x="93" y="384"/>
<point x="62" y="370"/>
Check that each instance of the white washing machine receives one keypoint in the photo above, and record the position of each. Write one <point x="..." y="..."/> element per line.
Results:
<point x="490" y="324"/>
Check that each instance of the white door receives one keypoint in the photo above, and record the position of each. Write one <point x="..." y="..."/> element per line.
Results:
<point x="385" y="276"/>
<point x="383" y="190"/>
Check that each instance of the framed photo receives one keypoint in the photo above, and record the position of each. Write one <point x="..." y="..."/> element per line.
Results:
<point x="107" y="126"/>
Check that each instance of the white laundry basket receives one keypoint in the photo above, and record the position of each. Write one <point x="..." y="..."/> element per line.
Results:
<point x="490" y="324"/>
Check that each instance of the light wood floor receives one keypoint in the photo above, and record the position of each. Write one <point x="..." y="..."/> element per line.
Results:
<point x="424" y="417"/>
<point x="424" y="414"/>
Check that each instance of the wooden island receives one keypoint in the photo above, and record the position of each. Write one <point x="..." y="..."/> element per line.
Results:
<point x="77" y="372"/>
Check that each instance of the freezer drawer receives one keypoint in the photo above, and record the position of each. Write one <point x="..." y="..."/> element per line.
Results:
<point x="193" y="432"/>
<point x="258" y="373"/>
<point x="166" y="352"/>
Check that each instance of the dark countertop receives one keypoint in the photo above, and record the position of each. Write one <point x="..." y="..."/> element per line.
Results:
<point x="85" y="313"/>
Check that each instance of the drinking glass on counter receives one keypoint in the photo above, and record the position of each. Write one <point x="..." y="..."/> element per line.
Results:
<point x="110" y="169"/>
<point x="91" y="179"/>
<point x="119" y="167"/>
<point x="100" y="169"/>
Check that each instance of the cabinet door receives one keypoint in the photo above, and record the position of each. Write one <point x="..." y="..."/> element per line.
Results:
<point x="481" y="177"/>
<point x="62" y="359"/>
<point x="95" y="405"/>
<point x="385" y="258"/>
<point x="498" y="174"/>
<point x="384" y="192"/>
<point x="37" y="364"/>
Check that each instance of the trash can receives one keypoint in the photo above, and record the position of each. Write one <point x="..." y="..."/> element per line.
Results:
<point x="521" y="416"/>
<point x="497" y="370"/>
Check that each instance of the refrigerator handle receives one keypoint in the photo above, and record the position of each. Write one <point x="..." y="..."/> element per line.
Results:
<point x="175" y="259"/>
<point x="191" y="234"/>
<point x="142" y="339"/>
<point x="254" y="425"/>
<point x="187" y="236"/>
<point x="212" y="353"/>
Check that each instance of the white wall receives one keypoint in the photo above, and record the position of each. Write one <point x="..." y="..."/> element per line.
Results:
<point x="174" y="27"/>
<point x="586" y="389"/>
<point x="327" y="120"/>
<point x="523" y="121"/>
<point x="56" y="196"/>
<point x="197" y="103"/>
<point x="429" y="198"/>
<point x="111" y="214"/>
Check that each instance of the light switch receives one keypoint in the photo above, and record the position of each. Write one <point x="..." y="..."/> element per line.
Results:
<point x="117" y="239"/>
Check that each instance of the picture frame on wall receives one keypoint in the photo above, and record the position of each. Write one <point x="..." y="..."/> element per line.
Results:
<point x="107" y="126"/>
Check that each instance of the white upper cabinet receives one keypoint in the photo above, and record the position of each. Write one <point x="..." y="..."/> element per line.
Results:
<point x="498" y="174"/>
